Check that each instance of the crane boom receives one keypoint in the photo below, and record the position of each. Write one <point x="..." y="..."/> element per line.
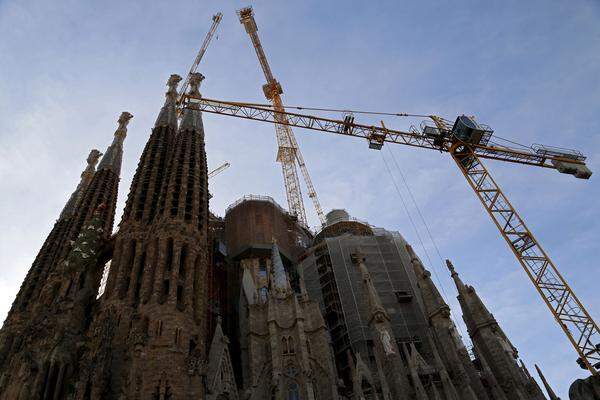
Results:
<point x="218" y="170"/>
<point x="288" y="152"/>
<point x="216" y="20"/>
<point x="581" y="330"/>
<point x="377" y="136"/>
<point x="573" y="318"/>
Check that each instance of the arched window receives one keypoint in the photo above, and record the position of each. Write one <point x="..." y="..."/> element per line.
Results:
<point x="291" y="345"/>
<point x="293" y="391"/>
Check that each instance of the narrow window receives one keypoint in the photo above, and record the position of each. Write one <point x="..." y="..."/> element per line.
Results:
<point x="159" y="328"/>
<point x="169" y="260"/>
<point x="180" y="304"/>
<point x="140" y="276"/>
<point x="182" y="261"/>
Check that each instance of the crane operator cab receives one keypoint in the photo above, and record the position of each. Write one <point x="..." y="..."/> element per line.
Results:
<point x="467" y="130"/>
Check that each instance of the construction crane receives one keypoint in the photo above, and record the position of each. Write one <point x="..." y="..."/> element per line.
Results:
<point x="216" y="20"/>
<point x="218" y="170"/>
<point x="288" y="151"/>
<point x="468" y="142"/>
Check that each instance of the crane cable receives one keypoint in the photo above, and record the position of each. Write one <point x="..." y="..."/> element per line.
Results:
<point x="408" y="214"/>
<point x="266" y="105"/>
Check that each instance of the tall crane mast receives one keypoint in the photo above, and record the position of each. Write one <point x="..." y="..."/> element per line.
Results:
<point x="468" y="142"/>
<point x="216" y="20"/>
<point x="288" y="151"/>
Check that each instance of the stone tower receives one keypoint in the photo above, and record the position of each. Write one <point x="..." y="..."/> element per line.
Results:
<point x="54" y="306"/>
<point x="285" y="339"/>
<point x="51" y="248"/>
<point x="451" y="348"/>
<point x="492" y="346"/>
<point x="148" y="338"/>
<point x="391" y="370"/>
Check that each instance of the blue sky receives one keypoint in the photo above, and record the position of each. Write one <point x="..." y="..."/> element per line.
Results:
<point x="530" y="69"/>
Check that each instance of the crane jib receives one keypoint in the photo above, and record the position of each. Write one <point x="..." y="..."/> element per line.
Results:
<point x="573" y="318"/>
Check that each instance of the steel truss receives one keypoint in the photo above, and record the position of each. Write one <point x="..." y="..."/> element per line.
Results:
<point x="414" y="137"/>
<point x="568" y="311"/>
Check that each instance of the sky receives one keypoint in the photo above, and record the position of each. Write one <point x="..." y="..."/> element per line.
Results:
<point x="530" y="70"/>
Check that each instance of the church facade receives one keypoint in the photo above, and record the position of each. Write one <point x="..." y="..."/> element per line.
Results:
<point x="250" y="306"/>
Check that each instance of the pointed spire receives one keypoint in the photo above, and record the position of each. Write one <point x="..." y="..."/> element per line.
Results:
<point x="432" y="299"/>
<point x="302" y="284"/>
<point x="280" y="283"/>
<point x="551" y="393"/>
<point x="248" y="287"/>
<point x="420" y="393"/>
<point x="86" y="178"/>
<point x="376" y="308"/>
<point x="168" y="114"/>
<point x="472" y="306"/>
<point x="192" y="117"/>
<point x="114" y="154"/>
<point x="447" y="385"/>
<point x="460" y="286"/>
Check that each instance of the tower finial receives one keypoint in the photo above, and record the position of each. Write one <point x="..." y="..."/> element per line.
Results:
<point x="86" y="178"/>
<point x="114" y="154"/>
<point x="450" y="267"/>
<point x="192" y="118"/>
<point x="168" y="115"/>
<point x="123" y="122"/>
<point x="171" y="95"/>
<point x="460" y="286"/>
<point x="196" y="79"/>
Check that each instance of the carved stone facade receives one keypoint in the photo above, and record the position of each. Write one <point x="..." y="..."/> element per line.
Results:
<point x="43" y="337"/>
<point x="284" y="340"/>
<point x="392" y="333"/>
<point x="199" y="307"/>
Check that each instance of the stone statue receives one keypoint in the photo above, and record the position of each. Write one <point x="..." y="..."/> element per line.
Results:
<point x="386" y="341"/>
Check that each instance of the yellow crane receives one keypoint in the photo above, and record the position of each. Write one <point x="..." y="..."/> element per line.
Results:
<point x="288" y="152"/>
<point x="468" y="142"/>
<point x="211" y="32"/>
<point x="218" y="170"/>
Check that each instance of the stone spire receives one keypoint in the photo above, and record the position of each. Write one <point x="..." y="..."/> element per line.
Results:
<point x="415" y="362"/>
<point x="148" y="183"/>
<point x="432" y="299"/>
<point x="474" y="311"/>
<point x="375" y="306"/>
<point x="86" y="178"/>
<point x="280" y="284"/>
<point x="219" y="370"/>
<point x="114" y="154"/>
<point x="192" y="117"/>
<point x="493" y="346"/>
<point x="168" y="114"/>
<point x="549" y="390"/>
<point x="438" y="312"/>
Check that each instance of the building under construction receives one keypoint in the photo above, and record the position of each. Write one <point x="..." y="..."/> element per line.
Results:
<point x="255" y="305"/>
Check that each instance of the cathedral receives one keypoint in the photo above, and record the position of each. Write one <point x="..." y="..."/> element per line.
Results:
<point x="178" y="303"/>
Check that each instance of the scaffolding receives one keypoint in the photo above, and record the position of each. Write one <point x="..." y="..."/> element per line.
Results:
<point x="336" y="284"/>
